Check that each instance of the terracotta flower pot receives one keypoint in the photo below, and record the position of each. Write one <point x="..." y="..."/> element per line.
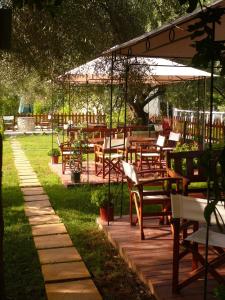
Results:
<point x="55" y="159"/>
<point x="107" y="213"/>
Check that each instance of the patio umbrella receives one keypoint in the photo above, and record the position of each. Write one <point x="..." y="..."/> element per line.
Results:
<point x="24" y="108"/>
<point x="154" y="71"/>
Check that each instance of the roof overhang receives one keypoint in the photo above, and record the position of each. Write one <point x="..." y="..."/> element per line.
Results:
<point x="170" y="41"/>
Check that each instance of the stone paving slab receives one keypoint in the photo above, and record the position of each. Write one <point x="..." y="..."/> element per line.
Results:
<point x="48" y="229"/>
<point x="37" y="204"/>
<point x="28" y="179"/>
<point x="57" y="255"/>
<point x="28" y="184"/>
<point x="52" y="241"/>
<point x="33" y="191"/>
<point x="24" y="167"/>
<point x="35" y="198"/>
<point x="44" y="219"/>
<point x="73" y="290"/>
<point x="22" y="170"/>
<point x="27" y="175"/>
<point x="64" y="271"/>
<point x="36" y="211"/>
<point x="31" y="182"/>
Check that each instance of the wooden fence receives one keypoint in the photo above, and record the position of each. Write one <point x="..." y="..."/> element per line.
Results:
<point x="60" y="119"/>
<point x="190" y="128"/>
<point x="194" y="129"/>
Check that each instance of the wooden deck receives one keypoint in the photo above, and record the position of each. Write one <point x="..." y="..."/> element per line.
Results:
<point x="87" y="177"/>
<point x="151" y="259"/>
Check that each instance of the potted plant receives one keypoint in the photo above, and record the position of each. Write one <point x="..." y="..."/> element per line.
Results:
<point x="102" y="199"/>
<point x="75" y="164"/>
<point x="75" y="175"/>
<point x="54" y="153"/>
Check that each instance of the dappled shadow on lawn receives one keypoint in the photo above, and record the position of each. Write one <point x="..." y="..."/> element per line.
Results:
<point x="78" y="198"/>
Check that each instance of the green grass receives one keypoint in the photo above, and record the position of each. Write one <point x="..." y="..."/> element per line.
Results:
<point x="20" y="255"/>
<point x="110" y="273"/>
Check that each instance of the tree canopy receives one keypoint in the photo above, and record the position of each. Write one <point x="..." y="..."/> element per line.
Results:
<point x="51" y="37"/>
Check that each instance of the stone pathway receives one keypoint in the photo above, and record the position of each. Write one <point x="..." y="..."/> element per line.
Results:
<point x="65" y="274"/>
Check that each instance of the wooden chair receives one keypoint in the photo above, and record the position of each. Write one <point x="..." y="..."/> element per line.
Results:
<point x="149" y="154"/>
<point x="188" y="211"/>
<point x="108" y="159"/>
<point x="70" y="154"/>
<point x="174" y="138"/>
<point x="188" y="165"/>
<point x="140" y="197"/>
<point x="8" y="122"/>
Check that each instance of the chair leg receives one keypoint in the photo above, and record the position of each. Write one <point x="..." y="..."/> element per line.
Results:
<point x="141" y="220"/>
<point x="176" y="236"/>
<point x="131" y="210"/>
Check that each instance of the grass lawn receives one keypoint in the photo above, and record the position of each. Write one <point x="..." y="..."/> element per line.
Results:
<point x="23" y="277"/>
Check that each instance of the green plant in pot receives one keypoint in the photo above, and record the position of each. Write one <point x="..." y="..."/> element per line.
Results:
<point x="104" y="200"/>
<point x="75" y="169"/>
<point x="54" y="153"/>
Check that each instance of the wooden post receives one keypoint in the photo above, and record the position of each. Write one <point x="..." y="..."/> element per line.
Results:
<point x="2" y="286"/>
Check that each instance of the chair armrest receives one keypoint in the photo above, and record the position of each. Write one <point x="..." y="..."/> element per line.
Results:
<point x="185" y="180"/>
<point x="144" y="182"/>
<point x="152" y="171"/>
<point x="98" y="147"/>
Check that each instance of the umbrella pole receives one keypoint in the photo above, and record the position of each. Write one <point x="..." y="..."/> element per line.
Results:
<point x="210" y="148"/>
<point x="2" y="285"/>
<point x="110" y="131"/>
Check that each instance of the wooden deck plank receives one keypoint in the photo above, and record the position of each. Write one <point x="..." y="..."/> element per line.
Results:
<point x="151" y="259"/>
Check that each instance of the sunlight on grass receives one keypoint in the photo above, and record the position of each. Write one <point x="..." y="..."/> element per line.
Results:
<point x="22" y="270"/>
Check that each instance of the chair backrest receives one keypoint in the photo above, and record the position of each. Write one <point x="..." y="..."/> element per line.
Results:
<point x="174" y="136"/>
<point x="130" y="172"/>
<point x="160" y="141"/>
<point x="115" y="143"/>
<point x="193" y="208"/>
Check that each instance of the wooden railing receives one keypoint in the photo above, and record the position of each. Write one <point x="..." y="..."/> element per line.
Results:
<point x="196" y="129"/>
<point x="190" y="128"/>
<point x="60" y="119"/>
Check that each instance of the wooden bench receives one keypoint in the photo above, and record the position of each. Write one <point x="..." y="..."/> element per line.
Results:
<point x="8" y="122"/>
<point x="188" y="165"/>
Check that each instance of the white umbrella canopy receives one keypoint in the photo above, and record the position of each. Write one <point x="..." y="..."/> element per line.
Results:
<point x="169" y="41"/>
<point x="154" y="71"/>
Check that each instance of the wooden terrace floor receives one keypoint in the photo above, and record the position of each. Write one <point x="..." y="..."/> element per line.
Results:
<point x="151" y="259"/>
<point x="86" y="177"/>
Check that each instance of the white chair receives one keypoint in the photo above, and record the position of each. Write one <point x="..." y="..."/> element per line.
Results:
<point x="188" y="211"/>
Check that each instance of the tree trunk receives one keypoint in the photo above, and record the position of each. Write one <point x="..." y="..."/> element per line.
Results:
<point x="2" y="287"/>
